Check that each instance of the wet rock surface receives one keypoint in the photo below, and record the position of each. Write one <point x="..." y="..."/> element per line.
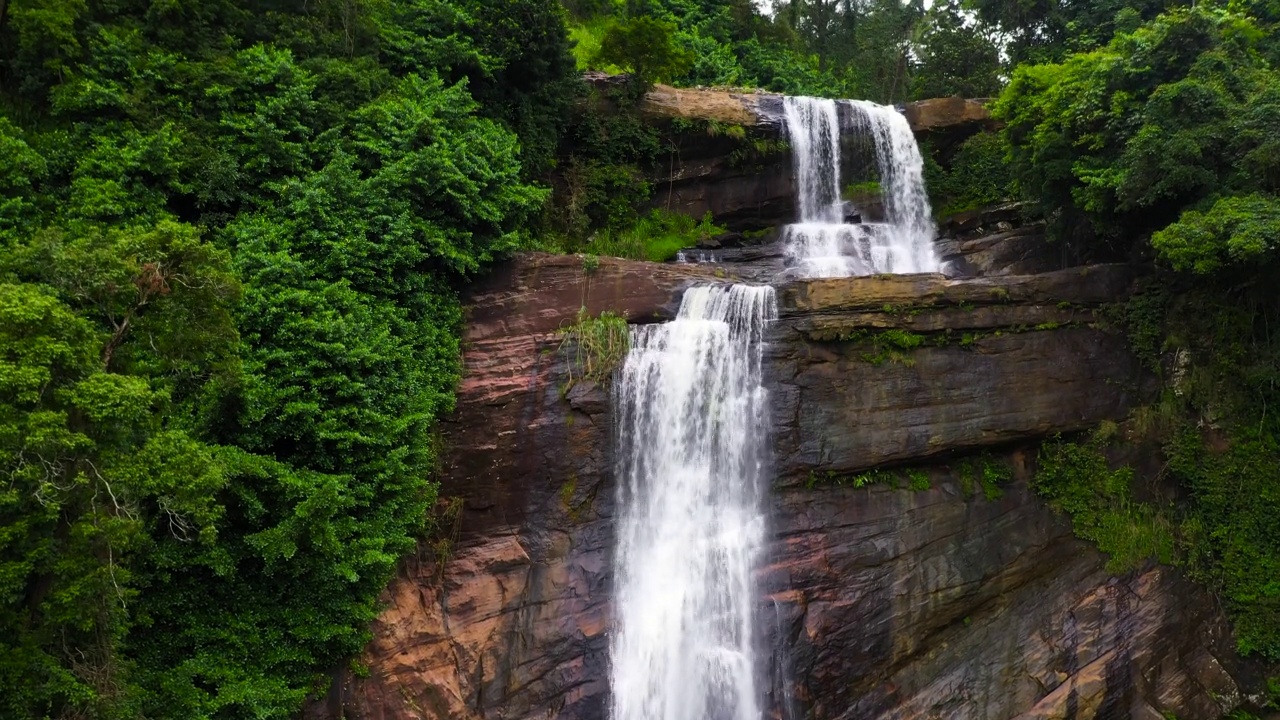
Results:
<point x="882" y="602"/>
<point x="946" y="604"/>
<point x="993" y="241"/>
<point x="741" y="185"/>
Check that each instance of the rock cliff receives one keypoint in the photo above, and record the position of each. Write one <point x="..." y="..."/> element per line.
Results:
<point x="763" y="110"/>
<point x="746" y="183"/>
<point x="947" y="602"/>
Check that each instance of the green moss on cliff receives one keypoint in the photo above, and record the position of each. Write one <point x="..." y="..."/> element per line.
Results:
<point x="1076" y="479"/>
<point x="656" y="237"/>
<point x="983" y="473"/>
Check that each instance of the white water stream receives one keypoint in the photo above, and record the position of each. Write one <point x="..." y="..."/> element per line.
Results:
<point x="692" y="416"/>
<point x="822" y="244"/>
<point x="692" y="419"/>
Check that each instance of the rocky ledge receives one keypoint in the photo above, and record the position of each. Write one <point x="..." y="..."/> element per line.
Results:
<point x="760" y="109"/>
<point x="881" y="370"/>
<point x="948" y="602"/>
<point x="745" y="180"/>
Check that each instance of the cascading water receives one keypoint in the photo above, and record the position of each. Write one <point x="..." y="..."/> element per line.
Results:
<point x="692" y="433"/>
<point x="692" y="422"/>
<point x="822" y="244"/>
<point x="813" y="127"/>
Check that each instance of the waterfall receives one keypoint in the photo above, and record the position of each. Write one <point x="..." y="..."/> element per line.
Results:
<point x="813" y="128"/>
<point x="692" y="429"/>
<point x="692" y="424"/>
<point x="822" y="244"/>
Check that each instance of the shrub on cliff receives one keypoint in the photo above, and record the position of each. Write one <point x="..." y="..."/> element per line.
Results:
<point x="1165" y="144"/>
<point x="643" y="46"/>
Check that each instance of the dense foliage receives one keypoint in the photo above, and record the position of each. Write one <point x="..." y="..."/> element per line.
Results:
<point x="230" y="237"/>
<point x="1164" y="143"/>
<point x="884" y="50"/>
<point x="1167" y="119"/>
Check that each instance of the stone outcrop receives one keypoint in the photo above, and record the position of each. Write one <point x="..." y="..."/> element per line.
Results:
<point x="996" y="240"/>
<point x="986" y="361"/>
<point x="945" y="113"/>
<point x="732" y="107"/>
<point x="883" y="602"/>
<point x="745" y="182"/>
<point x="759" y="109"/>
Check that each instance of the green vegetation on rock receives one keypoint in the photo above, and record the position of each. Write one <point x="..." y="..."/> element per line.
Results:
<point x="973" y="474"/>
<point x="595" y="346"/>
<point x="657" y="237"/>
<point x="1162" y="142"/>
<point x="1077" y="480"/>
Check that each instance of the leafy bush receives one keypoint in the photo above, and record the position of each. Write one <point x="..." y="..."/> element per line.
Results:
<point x="1198" y="105"/>
<point x="1232" y="532"/>
<point x="587" y="37"/>
<point x="1076" y="480"/>
<point x="985" y="474"/>
<point x="1234" y="231"/>
<point x="977" y="175"/>
<point x="656" y="237"/>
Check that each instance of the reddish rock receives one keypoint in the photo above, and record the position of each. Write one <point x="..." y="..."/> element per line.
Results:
<point x="880" y="602"/>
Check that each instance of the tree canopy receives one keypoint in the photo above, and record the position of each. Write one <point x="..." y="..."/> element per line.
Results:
<point x="230" y="240"/>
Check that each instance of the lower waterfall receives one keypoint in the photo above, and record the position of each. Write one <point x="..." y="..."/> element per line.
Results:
<point x="692" y="439"/>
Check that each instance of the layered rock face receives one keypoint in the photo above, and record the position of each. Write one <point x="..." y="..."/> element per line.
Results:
<point x="903" y="604"/>
<point x="973" y="364"/>
<point x="755" y="108"/>
<point x="880" y="602"/>
<point x="746" y="183"/>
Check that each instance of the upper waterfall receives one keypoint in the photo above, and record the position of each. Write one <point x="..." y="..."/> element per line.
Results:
<point x="822" y="243"/>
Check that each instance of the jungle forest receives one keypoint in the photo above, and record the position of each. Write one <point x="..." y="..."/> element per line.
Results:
<point x="235" y="236"/>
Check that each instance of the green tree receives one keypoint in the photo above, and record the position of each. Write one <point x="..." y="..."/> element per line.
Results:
<point x="643" y="45"/>
<point x="1120" y="140"/>
<point x="230" y="240"/>
<point x="956" y="55"/>
<point x="1234" y="231"/>
<point x="92" y="476"/>
<point x="1043" y="31"/>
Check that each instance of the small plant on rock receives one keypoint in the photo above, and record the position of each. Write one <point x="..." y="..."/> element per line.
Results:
<point x="595" y="345"/>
